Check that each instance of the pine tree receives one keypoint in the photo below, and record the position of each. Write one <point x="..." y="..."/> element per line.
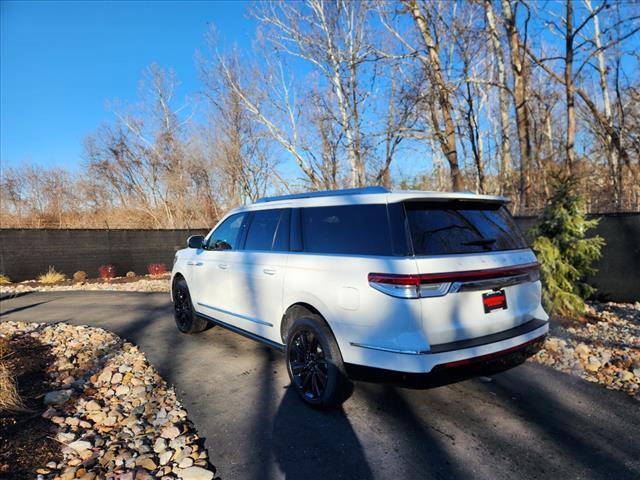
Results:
<point x="565" y="254"/>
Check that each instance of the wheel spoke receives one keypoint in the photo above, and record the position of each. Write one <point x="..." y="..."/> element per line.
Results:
<point x="314" y="384"/>
<point x="322" y="377"/>
<point x="296" y="367"/>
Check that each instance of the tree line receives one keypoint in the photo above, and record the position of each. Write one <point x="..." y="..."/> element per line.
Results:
<point x="490" y="96"/>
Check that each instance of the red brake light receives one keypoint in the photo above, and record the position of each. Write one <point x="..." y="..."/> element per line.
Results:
<point x="438" y="284"/>
<point x="479" y="274"/>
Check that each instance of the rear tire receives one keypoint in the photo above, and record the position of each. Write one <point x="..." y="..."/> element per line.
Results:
<point x="314" y="363"/>
<point x="186" y="318"/>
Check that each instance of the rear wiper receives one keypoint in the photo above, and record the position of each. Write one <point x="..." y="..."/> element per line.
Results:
<point x="482" y="241"/>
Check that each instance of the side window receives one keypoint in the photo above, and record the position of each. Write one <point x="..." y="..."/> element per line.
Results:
<point x="281" y="242"/>
<point x="226" y="236"/>
<point x="348" y="229"/>
<point x="262" y="229"/>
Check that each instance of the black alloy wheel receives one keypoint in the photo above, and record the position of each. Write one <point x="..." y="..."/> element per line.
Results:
<point x="182" y="307"/>
<point x="186" y="318"/>
<point x="308" y="365"/>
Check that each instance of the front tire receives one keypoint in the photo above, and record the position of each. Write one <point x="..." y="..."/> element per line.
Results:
<point x="314" y="363"/>
<point x="186" y="319"/>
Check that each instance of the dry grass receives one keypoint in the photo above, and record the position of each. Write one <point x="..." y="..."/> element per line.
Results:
<point x="10" y="400"/>
<point x="51" y="276"/>
<point x="4" y="280"/>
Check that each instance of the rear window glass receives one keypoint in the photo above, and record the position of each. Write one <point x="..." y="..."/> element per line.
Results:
<point x="461" y="227"/>
<point x="346" y="229"/>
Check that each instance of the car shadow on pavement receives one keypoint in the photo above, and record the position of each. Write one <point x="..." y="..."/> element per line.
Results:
<point x="314" y="444"/>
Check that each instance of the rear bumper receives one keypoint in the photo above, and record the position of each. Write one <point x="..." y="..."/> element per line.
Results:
<point x="475" y="350"/>
<point x="451" y="371"/>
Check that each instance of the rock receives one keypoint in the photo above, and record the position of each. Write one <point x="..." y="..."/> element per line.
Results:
<point x="80" y="445"/>
<point x="593" y="365"/>
<point x="626" y="376"/>
<point x="147" y="463"/>
<point x="165" y="456"/>
<point x="52" y="465"/>
<point x="178" y="442"/>
<point x="194" y="473"/>
<point x="186" y="463"/>
<point x="92" y="406"/>
<point x="73" y="421"/>
<point x="122" y="390"/>
<point x="582" y="350"/>
<point x="116" y="378"/>
<point x="57" y="397"/>
<point x="109" y="421"/>
<point x="141" y="474"/>
<point x="65" y="437"/>
<point x="160" y="445"/>
<point x="170" y="431"/>
<point x="43" y="471"/>
<point x="104" y="377"/>
<point x="68" y="474"/>
<point x="49" y="413"/>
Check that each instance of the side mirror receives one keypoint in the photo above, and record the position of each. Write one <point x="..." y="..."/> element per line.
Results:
<point x="195" y="241"/>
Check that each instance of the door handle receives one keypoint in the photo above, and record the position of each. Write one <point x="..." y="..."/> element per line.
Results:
<point x="197" y="264"/>
<point x="223" y="266"/>
<point x="269" y="271"/>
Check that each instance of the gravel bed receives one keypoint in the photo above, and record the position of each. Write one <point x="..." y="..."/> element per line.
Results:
<point x="604" y="347"/>
<point x="116" y="417"/>
<point x="143" y="285"/>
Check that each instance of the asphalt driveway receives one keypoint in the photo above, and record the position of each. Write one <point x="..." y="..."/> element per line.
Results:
<point x="529" y="422"/>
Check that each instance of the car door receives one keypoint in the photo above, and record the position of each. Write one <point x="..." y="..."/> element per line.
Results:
<point x="257" y="296"/>
<point x="214" y="267"/>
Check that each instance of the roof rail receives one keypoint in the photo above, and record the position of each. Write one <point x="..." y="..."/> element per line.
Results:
<point x="326" y="193"/>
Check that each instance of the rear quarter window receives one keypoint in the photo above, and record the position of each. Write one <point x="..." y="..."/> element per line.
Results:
<point x="346" y="229"/>
<point x="461" y="227"/>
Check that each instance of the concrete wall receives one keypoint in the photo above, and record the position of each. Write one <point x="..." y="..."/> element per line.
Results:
<point x="26" y="253"/>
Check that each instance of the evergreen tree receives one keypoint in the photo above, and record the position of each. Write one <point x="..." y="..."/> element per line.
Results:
<point x="565" y="254"/>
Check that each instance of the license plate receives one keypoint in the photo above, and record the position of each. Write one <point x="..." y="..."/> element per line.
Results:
<point x="494" y="301"/>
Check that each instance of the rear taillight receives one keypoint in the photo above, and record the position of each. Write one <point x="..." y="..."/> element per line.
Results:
<point x="407" y="286"/>
<point x="438" y="284"/>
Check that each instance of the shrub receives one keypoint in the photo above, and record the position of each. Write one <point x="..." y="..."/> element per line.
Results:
<point x="157" y="269"/>
<point x="565" y="255"/>
<point x="51" y="276"/>
<point x="80" y="276"/>
<point x="131" y="274"/>
<point x="4" y="280"/>
<point x="107" y="272"/>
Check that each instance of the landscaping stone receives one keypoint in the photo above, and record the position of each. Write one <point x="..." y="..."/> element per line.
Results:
<point x="57" y="397"/>
<point x="603" y="347"/>
<point x="125" y="422"/>
<point x="194" y="473"/>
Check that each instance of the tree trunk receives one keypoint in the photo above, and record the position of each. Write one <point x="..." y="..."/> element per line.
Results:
<point x="569" y="89"/>
<point x="609" y="151"/>
<point x="503" y="95"/>
<point x="448" y="139"/>
<point x="520" y="72"/>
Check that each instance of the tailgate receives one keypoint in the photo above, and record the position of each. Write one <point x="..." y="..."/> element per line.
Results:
<point x="463" y="313"/>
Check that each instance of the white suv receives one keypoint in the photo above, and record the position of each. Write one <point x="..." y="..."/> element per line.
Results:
<point x="410" y="288"/>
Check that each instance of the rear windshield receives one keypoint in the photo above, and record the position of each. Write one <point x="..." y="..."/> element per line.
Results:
<point x="461" y="227"/>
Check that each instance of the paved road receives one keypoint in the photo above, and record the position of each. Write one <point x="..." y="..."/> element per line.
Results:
<point x="529" y="422"/>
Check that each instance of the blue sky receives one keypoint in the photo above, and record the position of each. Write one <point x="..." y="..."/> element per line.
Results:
<point x="62" y="61"/>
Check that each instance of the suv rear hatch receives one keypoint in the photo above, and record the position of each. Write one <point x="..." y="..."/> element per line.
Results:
<point x="477" y="275"/>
